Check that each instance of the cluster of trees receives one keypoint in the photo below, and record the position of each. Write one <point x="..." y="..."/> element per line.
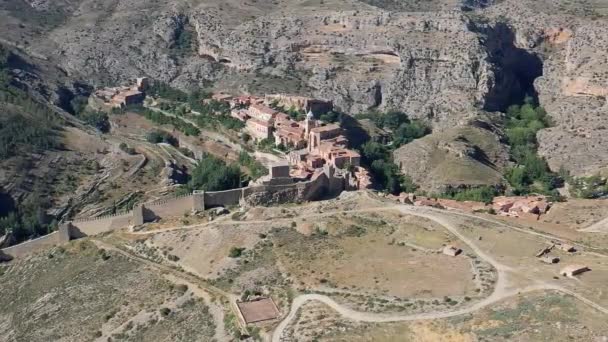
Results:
<point x="213" y="174"/>
<point x="97" y="119"/>
<point x="256" y="169"/>
<point x="378" y="158"/>
<point x="28" y="220"/>
<point x="161" y="119"/>
<point x="331" y="117"/>
<point x="531" y="172"/>
<point x="25" y="125"/>
<point x="185" y="42"/>
<point x="21" y="134"/>
<point x="212" y="112"/>
<point x="163" y="90"/>
<point x="402" y="128"/>
<point x="479" y="194"/>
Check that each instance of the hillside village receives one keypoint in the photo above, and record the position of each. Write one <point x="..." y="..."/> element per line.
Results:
<point x="307" y="147"/>
<point x="312" y="145"/>
<point x="303" y="171"/>
<point x="318" y="187"/>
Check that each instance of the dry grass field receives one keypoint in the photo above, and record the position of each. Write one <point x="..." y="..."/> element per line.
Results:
<point x="362" y="254"/>
<point x="533" y="317"/>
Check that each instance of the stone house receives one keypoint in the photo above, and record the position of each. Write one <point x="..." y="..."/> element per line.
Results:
<point x="128" y="98"/>
<point x="548" y="259"/>
<point x="259" y="129"/>
<point x="288" y="132"/>
<point x="262" y="113"/>
<point x="240" y="114"/>
<point x="516" y="205"/>
<point x="566" y="247"/>
<point x="318" y="134"/>
<point x="451" y="250"/>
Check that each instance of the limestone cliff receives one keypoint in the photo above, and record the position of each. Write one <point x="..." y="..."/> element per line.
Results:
<point x="443" y="61"/>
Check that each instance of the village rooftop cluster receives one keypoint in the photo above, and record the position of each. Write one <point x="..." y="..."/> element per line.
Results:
<point x="313" y="144"/>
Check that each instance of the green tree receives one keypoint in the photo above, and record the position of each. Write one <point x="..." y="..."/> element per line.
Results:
<point x="212" y="174"/>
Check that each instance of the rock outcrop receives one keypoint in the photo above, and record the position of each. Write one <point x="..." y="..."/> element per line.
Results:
<point x="463" y="157"/>
<point x="444" y="63"/>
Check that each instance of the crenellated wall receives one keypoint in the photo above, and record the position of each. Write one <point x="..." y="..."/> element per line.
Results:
<point x="320" y="185"/>
<point x="223" y="198"/>
<point x="98" y="225"/>
<point x="31" y="246"/>
<point x="168" y="207"/>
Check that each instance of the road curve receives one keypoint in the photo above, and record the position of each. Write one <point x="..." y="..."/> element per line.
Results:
<point x="499" y="293"/>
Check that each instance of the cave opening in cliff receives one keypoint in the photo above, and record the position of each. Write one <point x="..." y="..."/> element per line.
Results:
<point x="515" y="69"/>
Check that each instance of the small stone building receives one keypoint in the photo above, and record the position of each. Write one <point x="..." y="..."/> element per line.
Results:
<point x="451" y="250"/>
<point x="573" y="270"/>
<point x="548" y="259"/>
<point x="566" y="247"/>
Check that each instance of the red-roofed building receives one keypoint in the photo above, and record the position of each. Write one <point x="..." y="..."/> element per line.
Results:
<point x="262" y="113"/>
<point x="259" y="129"/>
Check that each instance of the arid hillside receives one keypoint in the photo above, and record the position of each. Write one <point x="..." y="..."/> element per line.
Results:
<point x="442" y="61"/>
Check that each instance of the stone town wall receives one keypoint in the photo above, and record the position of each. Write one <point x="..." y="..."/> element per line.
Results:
<point x="32" y="246"/>
<point x="101" y="224"/>
<point x="223" y="198"/>
<point x="255" y="195"/>
<point x="169" y="207"/>
<point x="278" y="194"/>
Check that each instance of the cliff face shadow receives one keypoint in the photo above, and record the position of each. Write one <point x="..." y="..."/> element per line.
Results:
<point x="515" y="69"/>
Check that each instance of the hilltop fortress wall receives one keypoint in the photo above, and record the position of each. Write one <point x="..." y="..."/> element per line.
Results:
<point x="266" y="194"/>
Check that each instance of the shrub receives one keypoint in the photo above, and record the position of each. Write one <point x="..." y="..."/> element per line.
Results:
<point x="479" y="194"/>
<point x="156" y="137"/>
<point x="212" y="174"/>
<point x="236" y="252"/>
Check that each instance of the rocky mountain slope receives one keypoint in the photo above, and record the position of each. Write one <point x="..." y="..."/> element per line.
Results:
<point x="443" y="61"/>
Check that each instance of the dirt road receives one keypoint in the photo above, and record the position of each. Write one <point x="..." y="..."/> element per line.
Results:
<point x="501" y="290"/>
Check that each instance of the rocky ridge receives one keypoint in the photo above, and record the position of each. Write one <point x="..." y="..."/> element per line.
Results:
<point x="442" y="64"/>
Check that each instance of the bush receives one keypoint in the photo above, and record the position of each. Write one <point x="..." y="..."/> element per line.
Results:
<point x="236" y="252"/>
<point x="97" y="119"/>
<point x="156" y="137"/>
<point x="256" y="169"/>
<point x="124" y="147"/>
<point x="404" y="130"/>
<point x="589" y="187"/>
<point x="479" y="194"/>
<point x="212" y="174"/>
<point x="165" y="311"/>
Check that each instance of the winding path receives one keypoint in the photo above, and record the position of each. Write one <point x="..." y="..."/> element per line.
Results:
<point x="500" y="292"/>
